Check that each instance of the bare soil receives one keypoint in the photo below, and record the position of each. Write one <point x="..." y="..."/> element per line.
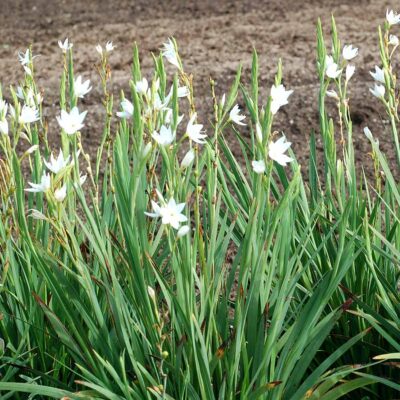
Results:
<point x="213" y="37"/>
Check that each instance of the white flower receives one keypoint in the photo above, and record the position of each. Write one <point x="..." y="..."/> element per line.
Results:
<point x="350" y="69"/>
<point x="235" y="116"/>
<point x="127" y="108"/>
<point x="349" y="52"/>
<point x="142" y="86"/>
<point x="222" y="102"/>
<point x="165" y="137"/>
<point x="35" y="214"/>
<point x="146" y="150"/>
<point x="65" y="46"/>
<point x="277" y="149"/>
<point x="183" y="91"/>
<point x="169" y="115"/>
<point x="81" y="88"/>
<point x="30" y="97"/>
<point x="329" y="61"/>
<point x="109" y="46"/>
<point x="378" y="91"/>
<point x="12" y="112"/>
<point x="20" y="93"/>
<point x="158" y="104"/>
<point x="39" y="97"/>
<point x="82" y="179"/>
<point x="169" y="52"/>
<point x="99" y="49"/>
<point x="194" y="131"/>
<point x="392" y="18"/>
<point x="332" y="69"/>
<point x="333" y="94"/>
<point x="183" y="230"/>
<point x="56" y="165"/>
<point x="170" y="213"/>
<point x="151" y="292"/>
<point x="4" y="127"/>
<point x="258" y="166"/>
<point x="188" y="159"/>
<point x="259" y="134"/>
<point x="3" y="107"/>
<point x="61" y="193"/>
<point x="43" y="186"/>
<point x="32" y="149"/>
<point x="393" y="40"/>
<point x="368" y="133"/>
<point x="71" y="122"/>
<point x="28" y="115"/>
<point x="279" y="97"/>
<point x="24" y="58"/>
<point x="378" y="75"/>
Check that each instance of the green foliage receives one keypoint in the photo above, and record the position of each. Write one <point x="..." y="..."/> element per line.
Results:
<point x="285" y="286"/>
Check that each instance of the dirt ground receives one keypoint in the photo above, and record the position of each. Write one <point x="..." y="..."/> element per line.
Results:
<point x="213" y="37"/>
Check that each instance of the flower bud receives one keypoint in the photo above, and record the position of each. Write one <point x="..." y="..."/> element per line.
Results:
<point x="188" y="159"/>
<point x="183" y="230"/>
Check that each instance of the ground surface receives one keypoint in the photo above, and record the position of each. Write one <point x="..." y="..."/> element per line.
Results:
<point x="214" y="37"/>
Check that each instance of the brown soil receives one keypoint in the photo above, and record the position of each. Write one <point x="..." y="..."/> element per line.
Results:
<point x="213" y="37"/>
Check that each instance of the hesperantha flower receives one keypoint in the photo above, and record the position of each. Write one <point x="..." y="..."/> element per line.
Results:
<point x="81" y="88"/>
<point x="258" y="166"/>
<point x="71" y="122"/>
<point x="277" y="149"/>
<point x="378" y="75"/>
<point x="65" y="46"/>
<point x="158" y="104"/>
<point x="259" y="133"/>
<point x="169" y="52"/>
<point x="183" y="91"/>
<point x="188" y="159"/>
<point x="36" y="214"/>
<point x="56" y="165"/>
<point x="332" y="94"/>
<point x="350" y="69"/>
<point x="279" y="97"/>
<point x="12" y="112"/>
<point x="378" y="91"/>
<point x="332" y="69"/>
<point x="61" y="193"/>
<point x="165" y="137"/>
<point x="32" y="149"/>
<point x="168" y="117"/>
<point x="170" y="213"/>
<point x="24" y="58"/>
<point x="109" y="47"/>
<point x="392" y="18"/>
<point x="368" y="133"/>
<point x="235" y="115"/>
<point x="4" y="127"/>
<point x="43" y="186"/>
<point x="3" y="107"/>
<point x="194" y="131"/>
<point x="349" y="52"/>
<point x="30" y="98"/>
<point x="393" y="40"/>
<point x="183" y="230"/>
<point x="20" y="93"/>
<point x="127" y="109"/>
<point x="28" y="115"/>
<point x="142" y="86"/>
